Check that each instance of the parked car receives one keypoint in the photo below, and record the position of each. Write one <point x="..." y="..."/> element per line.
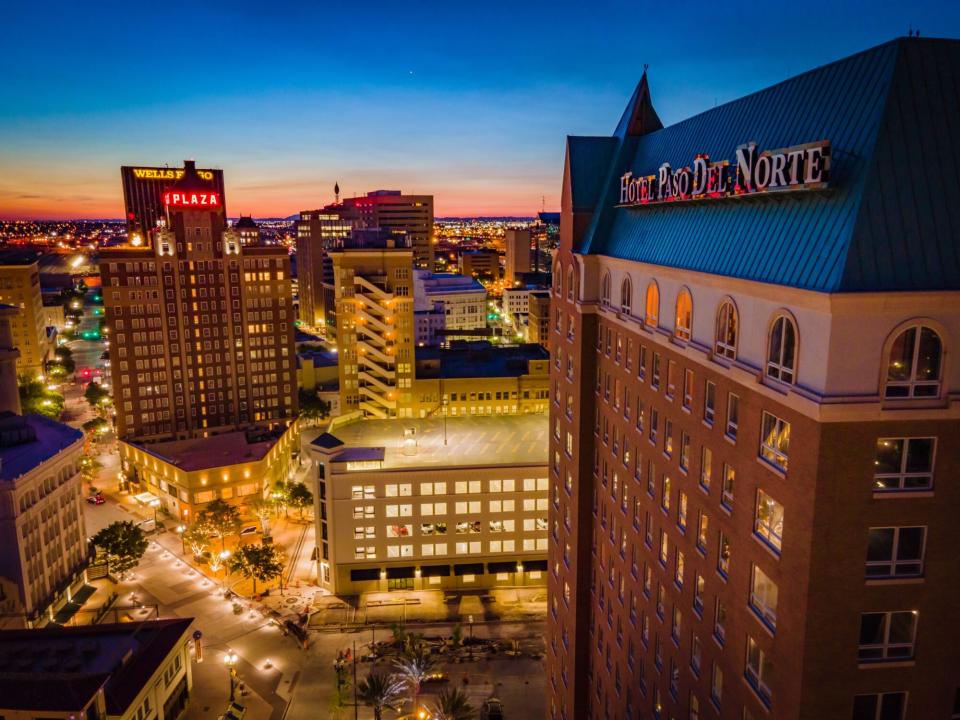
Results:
<point x="492" y="709"/>
<point x="96" y="499"/>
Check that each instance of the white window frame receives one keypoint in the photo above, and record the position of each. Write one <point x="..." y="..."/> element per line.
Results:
<point x="903" y="475"/>
<point x="893" y="562"/>
<point x="885" y="647"/>
<point x="774" y="455"/>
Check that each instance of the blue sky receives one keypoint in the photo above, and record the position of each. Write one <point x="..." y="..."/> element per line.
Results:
<point x="468" y="101"/>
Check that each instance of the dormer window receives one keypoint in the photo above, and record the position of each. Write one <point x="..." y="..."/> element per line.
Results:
<point x="915" y="364"/>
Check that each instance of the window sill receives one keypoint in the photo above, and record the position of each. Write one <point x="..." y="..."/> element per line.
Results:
<point x="901" y="494"/>
<point x="766" y="545"/>
<point x="779" y="472"/>
<point x="884" y="581"/>
<point x="886" y="664"/>
<point x="771" y="629"/>
<point x="729" y="439"/>
<point x="756" y="693"/>
<point x="707" y="424"/>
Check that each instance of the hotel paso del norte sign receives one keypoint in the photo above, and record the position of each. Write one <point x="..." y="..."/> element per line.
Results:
<point x="802" y="167"/>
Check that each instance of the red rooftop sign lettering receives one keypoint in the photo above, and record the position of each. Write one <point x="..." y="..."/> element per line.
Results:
<point x="191" y="199"/>
<point x="803" y="167"/>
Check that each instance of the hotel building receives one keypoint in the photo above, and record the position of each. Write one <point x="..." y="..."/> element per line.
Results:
<point x="20" y="287"/>
<point x="431" y="504"/>
<point x="756" y="412"/>
<point x="143" y="189"/>
<point x="201" y="325"/>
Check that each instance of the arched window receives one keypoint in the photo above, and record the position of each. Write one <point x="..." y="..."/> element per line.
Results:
<point x="683" y="324"/>
<point x="570" y="283"/>
<point x="558" y="280"/>
<point x="915" y="363"/>
<point x="626" y="295"/>
<point x="727" y="327"/>
<point x="782" y="354"/>
<point x="652" y="314"/>
<point x="605" y="289"/>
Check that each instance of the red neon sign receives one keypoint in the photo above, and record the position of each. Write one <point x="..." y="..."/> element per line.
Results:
<point x="176" y="198"/>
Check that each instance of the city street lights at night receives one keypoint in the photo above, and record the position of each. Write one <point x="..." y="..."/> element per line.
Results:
<point x="155" y="503"/>
<point x="181" y="529"/>
<point x="230" y="660"/>
<point x="224" y="555"/>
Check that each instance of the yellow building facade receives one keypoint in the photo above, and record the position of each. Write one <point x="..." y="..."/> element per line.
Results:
<point x="20" y="287"/>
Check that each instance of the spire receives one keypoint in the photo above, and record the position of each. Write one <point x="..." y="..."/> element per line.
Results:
<point x="639" y="118"/>
<point x="336" y="192"/>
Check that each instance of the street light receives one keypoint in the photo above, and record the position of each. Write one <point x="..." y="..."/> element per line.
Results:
<point x="155" y="503"/>
<point x="230" y="660"/>
<point x="181" y="529"/>
<point x="224" y="554"/>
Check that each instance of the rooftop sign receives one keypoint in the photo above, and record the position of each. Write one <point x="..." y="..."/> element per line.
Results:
<point x="167" y="174"/>
<point x="189" y="198"/>
<point x="802" y="167"/>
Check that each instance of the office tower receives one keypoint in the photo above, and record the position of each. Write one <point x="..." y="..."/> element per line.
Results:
<point x="409" y="216"/>
<point x="517" y="243"/>
<point x="248" y="230"/>
<point x="201" y="325"/>
<point x="317" y="232"/>
<point x="43" y="540"/>
<point x="756" y="435"/>
<point x="545" y="235"/>
<point x="480" y="263"/>
<point x="143" y="189"/>
<point x="458" y="504"/>
<point x="20" y="287"/>
<point x="374" y="314"/>
<point x="538" y="317"/>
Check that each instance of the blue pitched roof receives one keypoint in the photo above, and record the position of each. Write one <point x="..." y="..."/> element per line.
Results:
<point x="891" y="220"/>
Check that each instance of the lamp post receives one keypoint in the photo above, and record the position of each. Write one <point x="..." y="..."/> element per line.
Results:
<point x="155" y="503"/>
<point x="181" y="529"/>
<point x="224" y="555"/>
<point x="230" y="660"/>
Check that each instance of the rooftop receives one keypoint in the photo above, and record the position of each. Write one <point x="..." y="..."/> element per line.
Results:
<point x="496" y="440"/>
<point x="477" y="359"/>
<point x="885" y="222"/>
<point x="212" y="452"/>
<point x="60" y="668"/>
<point x="52" y="438"/>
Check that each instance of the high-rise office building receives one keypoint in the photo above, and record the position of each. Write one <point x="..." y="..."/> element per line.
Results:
<point x="374" y="314"/>
<point x="143" y="189"/>
<point x="755" y="429"/>
<point x="403" y="216"/>
<point x="20" y="287"/>
<point x="201" y="325"/>
<point x="518" y="254"/>
<point x="319" y="231"/>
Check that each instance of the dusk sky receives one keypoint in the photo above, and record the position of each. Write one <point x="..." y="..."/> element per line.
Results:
<point x="467" y="101"/>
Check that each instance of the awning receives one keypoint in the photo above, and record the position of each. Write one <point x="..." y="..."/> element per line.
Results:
<point x="396" y="573"/>
<point x="145" y="498"/>
<point x="365" y="574"/>
<point x="535" y="565"/>
<point x="435" y="571"/>
<point x="468" y="569"/>
<point x="501" y="567"/>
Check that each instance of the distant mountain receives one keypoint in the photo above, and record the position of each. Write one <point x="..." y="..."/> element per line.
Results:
<point x="489" y="218"/>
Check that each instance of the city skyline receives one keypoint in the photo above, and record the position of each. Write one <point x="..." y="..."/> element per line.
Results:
<point x="471" y="107"/>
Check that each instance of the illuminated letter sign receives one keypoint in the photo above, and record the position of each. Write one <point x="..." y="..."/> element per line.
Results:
<point x="190" y="199"/>
<point x="167" y="174"/>
<point x="804" y="167"/>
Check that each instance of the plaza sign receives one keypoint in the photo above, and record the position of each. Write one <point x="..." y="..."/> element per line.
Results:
<point x="803" y="167"/>
<point x="191" y="199"/>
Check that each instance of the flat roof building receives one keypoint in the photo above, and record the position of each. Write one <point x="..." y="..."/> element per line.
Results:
<point x="407" y="216"/>
<point x="20" y="287"/>
<point x="429" y="504"/>
<point x="756" y="425"/>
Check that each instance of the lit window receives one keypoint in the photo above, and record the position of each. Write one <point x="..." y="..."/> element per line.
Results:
<point x="726" y="334"/>
<point x="758" y="669"/>
<point x="895" y="551"/>
<point x="605" y="289"/>
<point x="904" y="464"/>
<point x="626" y="296"/>
<point x="781" y="355"/>
<point x="726" y="494"/>
<point x="887" y="635"/>
<point x="652" y="313"/>
<point x="723" y="554"/>
<point x="763" y="597"/>
<point x="914" y="365"/>
<point x="733" y="416"/>
<point x="775" y="440"/>
<point x="684" y="321"/>
<point x="716" y="685"/>
<point x="768" y="522"/>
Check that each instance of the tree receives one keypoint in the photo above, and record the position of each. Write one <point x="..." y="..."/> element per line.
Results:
<point x="453" y="704"/>
<point x="89" y="467"/>
<point x="380" y="691"/>
<point x="36" y="398"/>
<point x="280" y="494"/>
<point x="258" y="562"/>
<point x="299" y="496"/>
<point x="96" y="427"/>
<point x="96" y="396"/>
<point x="124" y="544"/>
<point x="222" y="518"/>
<point x="198" y="537"/>
<point x="412" y="666"/>
<point x="312" y="408"/>
<point x="262" y="509"/>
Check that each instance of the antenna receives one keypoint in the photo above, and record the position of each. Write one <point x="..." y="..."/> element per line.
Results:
<point x="910" y="30"/>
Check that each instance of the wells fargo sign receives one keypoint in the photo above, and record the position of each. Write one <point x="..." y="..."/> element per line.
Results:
<point x="803" y="167"/>
<point x="167" y="174"/>
<point x="188" y="198"/>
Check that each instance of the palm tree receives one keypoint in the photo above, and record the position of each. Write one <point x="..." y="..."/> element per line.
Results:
<point x="452" y="704"/>
<point x="413" y="666"/>
<point x="379" y="692"/>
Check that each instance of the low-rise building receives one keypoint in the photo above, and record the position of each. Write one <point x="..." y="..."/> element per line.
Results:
<point x="458" y="300"/>
<point x="20" y="287"/>
<point x="126" y="671"/>
<point x="538" y="318"/>
<point x="438" y="503"/>
<point x="480" y="263"/>
<point x="184" y="475"/>
<point x="316" y="368"/>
